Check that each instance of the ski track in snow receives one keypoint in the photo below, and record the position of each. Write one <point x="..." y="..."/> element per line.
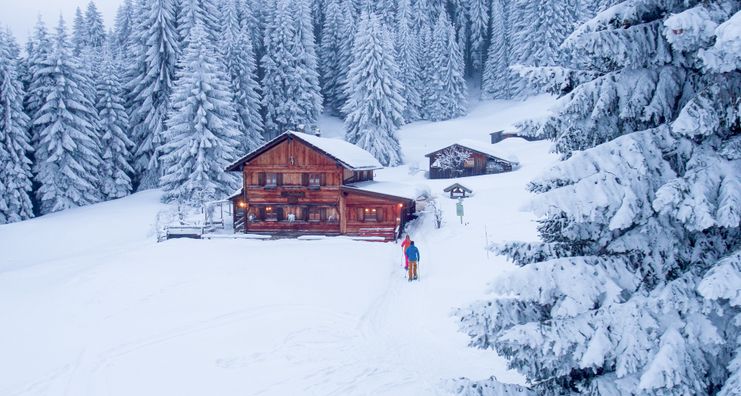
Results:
<point x="91" y="305"/>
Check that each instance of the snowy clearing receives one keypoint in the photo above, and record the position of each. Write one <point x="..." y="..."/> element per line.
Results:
<point x="92" y="305"/>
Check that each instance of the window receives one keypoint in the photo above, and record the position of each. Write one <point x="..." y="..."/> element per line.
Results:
<point x="331" y="215"/>
<point x="271" y="179"/>
<point x="469" y="162"/>
<point x="370" y="214"/>
<point x="315" y="214"/>
<point x="271" y="214"/>
<point x="315" y="180"/>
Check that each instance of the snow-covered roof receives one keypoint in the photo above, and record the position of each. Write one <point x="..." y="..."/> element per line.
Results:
<point x="348" y="154"/>
<point x="483" y="148"/>
<point x="401" y="190"/>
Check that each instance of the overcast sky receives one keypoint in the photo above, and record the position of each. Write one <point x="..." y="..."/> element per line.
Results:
<point x="20" y="15"/>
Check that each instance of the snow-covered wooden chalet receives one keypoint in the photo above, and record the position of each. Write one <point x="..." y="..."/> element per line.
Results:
<point x="468" y="158"/>
<point x="301" y="184"/>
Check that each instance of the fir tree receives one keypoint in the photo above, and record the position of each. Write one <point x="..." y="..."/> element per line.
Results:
<point x="150" y="87"/>
<point x="408" y="58"/>
<point x="539" y="29"/>
<point x="447" y="88"/>
<point x="498" y="79"/>
<point x="634" y="287"/>
<point x="202" y="137"/>
<point x="96" y="34"/>
<point x="15" y="174"/>
<point x="115" y="169"/>
<point x="79" y="32"/>
<point x="309" y="91"/>
<point x="124" y="24"/>
<point x="335" y="53"/>
<point x="239" y="59"/>
<point x="291" y="95"/>
<point x="67" y="147"/>
<point x="375" y="105"/>
<point x="191" y="12"/>
<point x="38" y="84"/>
<point x="478" y="15"/>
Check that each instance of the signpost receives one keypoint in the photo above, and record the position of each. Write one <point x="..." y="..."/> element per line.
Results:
<point x="459" y="209"/>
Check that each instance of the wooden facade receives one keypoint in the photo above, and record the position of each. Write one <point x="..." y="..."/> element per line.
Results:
<point x="292" y="188"/>
<point x="478" y="163"/>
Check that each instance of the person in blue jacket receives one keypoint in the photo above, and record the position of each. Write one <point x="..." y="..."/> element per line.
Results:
<point x="412" y="254"/>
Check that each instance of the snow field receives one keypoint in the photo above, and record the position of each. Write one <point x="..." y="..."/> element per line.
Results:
<point x="91" y="305"/>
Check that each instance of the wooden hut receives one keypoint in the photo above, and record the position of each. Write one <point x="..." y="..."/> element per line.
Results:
<point x="299" y="184"/>
<point x="468" y="158"/>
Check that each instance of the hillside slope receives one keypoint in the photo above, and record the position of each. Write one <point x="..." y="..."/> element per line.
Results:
<point x="92" y="305"/>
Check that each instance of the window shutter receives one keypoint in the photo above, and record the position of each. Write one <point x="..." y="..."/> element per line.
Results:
<point x="379" y="214"/>
<point x="262" y="213"/>
<point x="304" y="179"/>
<point x="323" y="214"/>
<point x="322" y="179"/>
<point x="279" y="179"/>
<point x="261" y="178"/>
<point x="279" y="212"/>
<point x="305" y="210"/>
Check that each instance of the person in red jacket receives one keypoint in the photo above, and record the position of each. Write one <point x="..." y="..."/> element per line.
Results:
<point x="404" y="245"/>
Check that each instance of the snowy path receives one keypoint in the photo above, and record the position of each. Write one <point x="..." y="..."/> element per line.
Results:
<point x="90" y="305"/>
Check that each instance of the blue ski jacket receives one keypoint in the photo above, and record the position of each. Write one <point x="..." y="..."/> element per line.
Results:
<point x="412" y="253"/>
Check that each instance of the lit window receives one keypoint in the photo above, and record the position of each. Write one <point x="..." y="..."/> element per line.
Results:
<point x="370" y="214"/>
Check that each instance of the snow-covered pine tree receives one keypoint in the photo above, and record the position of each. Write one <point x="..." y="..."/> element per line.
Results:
<point x="124" y="24"/>
<point x="15" y="174"/>
<point x="539" y="28"/>
<point x="478" y="16"/>
<point x="497" y="78"/>
<point x="375" y="105"/>
<point x="239" y="60"/>
<point x="385" y="10"/>
<point x="38" y="85"/>
<point x="290" y="97"/>
<point x="96" y="33"/>
<point x="190" y="12"/>
<point x="116" y="146"/>
<point x="424" y="14"/>
<point x="67" y="147"/>
<point x="309" y="92"/>
<point x="335" y="53"/>
<point x="79" y="32"/>
<point x="446" y="87"/>
<point x="407" y="57"/>
<point x="634" y="287"/>
<point x="252" y="17"/>
<point x="425" y="72"/>
<point x="202" y="138"/>
<point x="150" y="87"/>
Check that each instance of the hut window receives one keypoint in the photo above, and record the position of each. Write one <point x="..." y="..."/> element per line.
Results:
<point x="271" y="179"/>
<point x="271" y="213"/>
<point x="315" y="215"/>
<point x="315" y="180"/>
<point x="370" y="214"/>
<point x="330" y="215"/>
<point x="469" y="162"/>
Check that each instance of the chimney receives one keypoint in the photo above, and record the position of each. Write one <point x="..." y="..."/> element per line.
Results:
<point x="317" y="132"/>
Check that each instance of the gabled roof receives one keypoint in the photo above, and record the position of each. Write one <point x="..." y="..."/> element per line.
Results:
<point x="481" y="148"/>
<point x="346" y="154"/>
<point x="457" y="185"/>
